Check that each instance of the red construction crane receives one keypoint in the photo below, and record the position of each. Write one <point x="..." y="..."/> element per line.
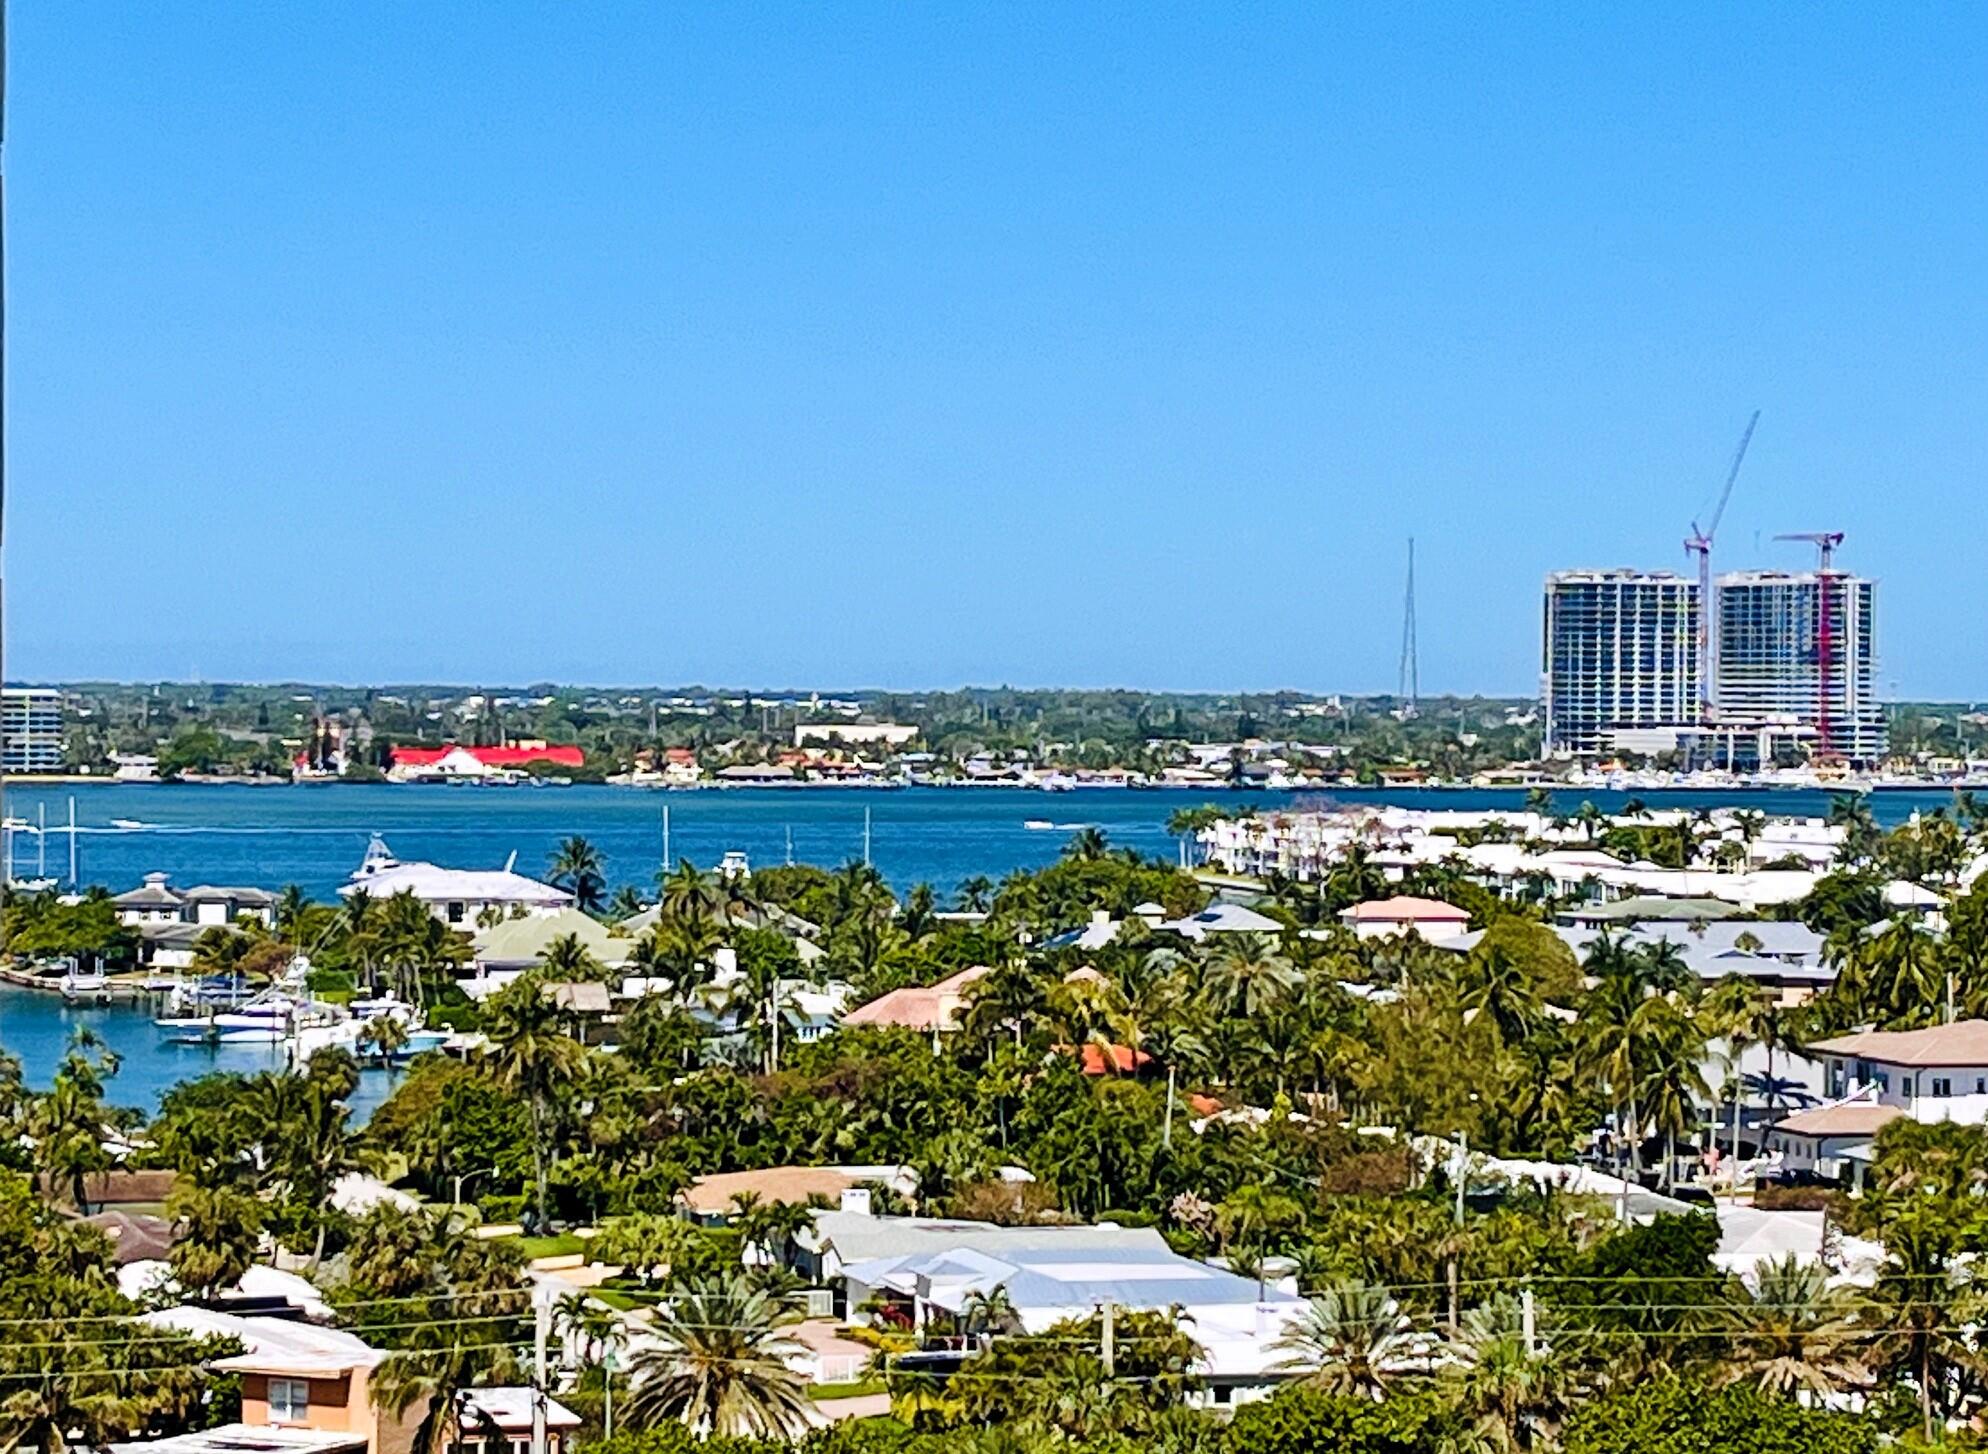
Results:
<point x="1825" y="543"/>
<point x="1699" y="543"/>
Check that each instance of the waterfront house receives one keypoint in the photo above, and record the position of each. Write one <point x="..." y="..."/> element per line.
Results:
<point x="505" y="950"/>
<point x="455" y="763"/>
<point x="157" y="902"/>
<point x="459" y="897"/>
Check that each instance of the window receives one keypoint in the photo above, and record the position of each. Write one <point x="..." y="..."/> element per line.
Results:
<point x="289" y="1400"/>
<point x="456" y="913"/>
<point x="1942" y="1086"/>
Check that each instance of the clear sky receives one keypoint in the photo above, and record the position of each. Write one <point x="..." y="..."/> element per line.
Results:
<point x="927" y="345"/>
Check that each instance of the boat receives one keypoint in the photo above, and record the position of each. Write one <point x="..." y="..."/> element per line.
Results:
<point x="79" y="984"/>
<point x="1038" y="825"/>
<point x="127" y="824"/>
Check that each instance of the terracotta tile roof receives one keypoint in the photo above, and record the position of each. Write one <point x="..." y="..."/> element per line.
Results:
<point x="712" y="1195"/>
<point x="915" y="1007"/>
<point x="1965" y="1042"/>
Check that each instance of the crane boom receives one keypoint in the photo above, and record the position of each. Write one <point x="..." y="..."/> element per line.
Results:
<point x="1732" y="475"/>
<point x="1699" y="544"/>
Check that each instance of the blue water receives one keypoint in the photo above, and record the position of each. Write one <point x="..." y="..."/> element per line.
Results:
<point x="314" y="836"/>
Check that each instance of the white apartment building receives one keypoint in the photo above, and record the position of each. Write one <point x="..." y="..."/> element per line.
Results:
<point x="30" y="729"/>
<point x="1620" y="662"/>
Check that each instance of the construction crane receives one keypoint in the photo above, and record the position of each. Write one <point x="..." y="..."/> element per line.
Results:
<point x="1825" y="543"/>
<point x="1699" y="543"/>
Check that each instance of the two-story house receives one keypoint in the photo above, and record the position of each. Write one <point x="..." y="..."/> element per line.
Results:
<point x="1873" y="1077"/>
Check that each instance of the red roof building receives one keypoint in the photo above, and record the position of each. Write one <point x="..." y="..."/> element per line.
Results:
<point x="561" y="756"/>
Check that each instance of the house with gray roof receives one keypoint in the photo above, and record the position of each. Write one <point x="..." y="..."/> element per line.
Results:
<point x="930" y="1266"/>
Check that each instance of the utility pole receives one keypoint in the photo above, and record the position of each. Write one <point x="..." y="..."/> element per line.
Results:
<point x="866" y="836"/>
<point x="666" y="838"/>
<point x="1528" y="1321"/>
<point x="607" y="1390"/>
<point x="541" y="1336"/>
<point x="1456" y="1254"/>
<point x="1108" y="1348"/>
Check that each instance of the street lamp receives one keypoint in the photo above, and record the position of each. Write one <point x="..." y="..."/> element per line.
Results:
<point x="456" y="1200"/>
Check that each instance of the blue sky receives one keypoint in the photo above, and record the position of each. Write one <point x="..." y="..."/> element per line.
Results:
<point x="924" y="345"/>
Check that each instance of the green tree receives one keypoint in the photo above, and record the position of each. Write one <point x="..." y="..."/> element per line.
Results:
<point x="1352" y="1339"/>
<point x="529" y="1054"/>
<point x="714" y="1360"/>
<point x="216" y="1231"/>
<point x="578" y="867"/>
<point x="1665" y="1416"/>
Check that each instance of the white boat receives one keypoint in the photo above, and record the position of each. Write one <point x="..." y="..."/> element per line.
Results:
<point x="84" y="984"/>
<point x="271" y="1035"/>
<point x="1039" y="825"/>
<point x="128" y="824"/>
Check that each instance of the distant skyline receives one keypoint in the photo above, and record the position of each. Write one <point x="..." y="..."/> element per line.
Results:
<point x="936" y="346"/>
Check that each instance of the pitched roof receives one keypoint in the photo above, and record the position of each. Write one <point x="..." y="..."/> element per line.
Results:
<point x="1221" y="918"/>
<point x="491" y="756"/>
<point x="273" y="1345"/>
<point x="712" y="1195"/>
<point x="520" y="942"/>
<point x="1655" y="906"/>
<point x="1965" y="1042"/>
<point x="433" y="884"/>
<point x="915" y="1007"/>
<point x="134" y="1236"/>
<point x="510" y="1409"/>
<point x="1854" y="1118"/>
<point x="1405" y="909"/>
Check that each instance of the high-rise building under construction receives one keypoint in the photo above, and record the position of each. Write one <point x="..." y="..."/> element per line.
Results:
<point x="1793" y="667"/>
<point x="1800" y="648"/>
<point x="1621" y="661"/>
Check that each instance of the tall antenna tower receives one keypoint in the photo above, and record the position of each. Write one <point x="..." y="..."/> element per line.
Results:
<point x="1409" y="689"/>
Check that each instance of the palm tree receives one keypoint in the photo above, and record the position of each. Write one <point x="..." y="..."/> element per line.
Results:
<point x="384" y="1036"/>
<point x="529" y="1054"/>
<point x="987" y="1313"/>
<point x="626" y="903"/>
<point x="1795" y="1336"/>
<point x="1353" y="1338"/>
<point x="567" y="959"/>
<point x="974" y="893"/>
<point x="1087" y="845"/>
<point x="1512" y="1393"/>
<point x="578" y="867"/>
<point x="688" y="895"/>
<point x="715" y="1361"/>
<point x="1248" y="977"/>
<point x="448" y="1361"/>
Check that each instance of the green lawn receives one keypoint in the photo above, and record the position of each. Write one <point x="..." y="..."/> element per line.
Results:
<point x="824" y="1392"/>
<point x="562" y="1246"/>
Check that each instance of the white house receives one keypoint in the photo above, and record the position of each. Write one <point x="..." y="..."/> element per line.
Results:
<point x="456" y="896"/>
<point x="1874" y="1077"/>
<point x="1051" y="1274"/>
<point x="1433" y="919"/>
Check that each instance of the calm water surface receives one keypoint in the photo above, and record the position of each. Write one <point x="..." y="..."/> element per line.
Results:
<point x="314" y="836"/>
